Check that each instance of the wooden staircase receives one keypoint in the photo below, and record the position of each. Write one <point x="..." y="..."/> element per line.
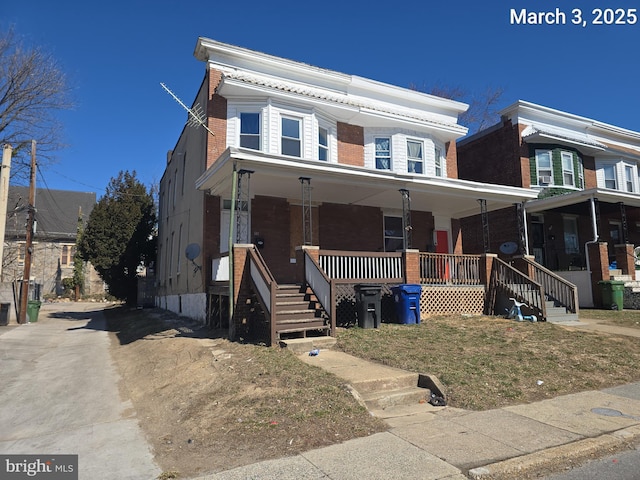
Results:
<point x="298" y="314"/>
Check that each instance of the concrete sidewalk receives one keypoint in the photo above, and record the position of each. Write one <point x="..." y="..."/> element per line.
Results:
<point x="59" y="395"/>
<point x="426" y="442"/>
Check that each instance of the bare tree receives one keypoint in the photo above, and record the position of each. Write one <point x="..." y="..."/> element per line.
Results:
<point x="33" y="89"/>
<point x="483" y="106"/>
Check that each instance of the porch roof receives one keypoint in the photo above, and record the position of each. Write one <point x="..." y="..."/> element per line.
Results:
<point x="573" y="198"/>
<point x="279" y="176"/>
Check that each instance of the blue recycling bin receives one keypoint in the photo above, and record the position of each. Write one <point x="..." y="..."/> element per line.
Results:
<point x="406" y="298"/>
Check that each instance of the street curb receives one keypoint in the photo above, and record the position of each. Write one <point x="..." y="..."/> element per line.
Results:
<point x="558" y="458"/>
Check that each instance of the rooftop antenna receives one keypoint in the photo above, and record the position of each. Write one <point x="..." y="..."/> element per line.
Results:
<point x="196" y="115"/>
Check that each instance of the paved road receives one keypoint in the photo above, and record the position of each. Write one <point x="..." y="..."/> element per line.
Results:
<point x="59" y="395"/>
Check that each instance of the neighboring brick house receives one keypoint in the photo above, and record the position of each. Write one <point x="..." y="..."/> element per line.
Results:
<point x="586" y="173"/>
<point x="321" y="158"/>
<point x="54" y="239"/>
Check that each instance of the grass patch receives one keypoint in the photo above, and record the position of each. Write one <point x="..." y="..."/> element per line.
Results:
<point x="620" y="318"/>
<point x="490" y="362"/>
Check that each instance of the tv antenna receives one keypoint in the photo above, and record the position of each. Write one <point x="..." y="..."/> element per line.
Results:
<point x="196" y="115"/>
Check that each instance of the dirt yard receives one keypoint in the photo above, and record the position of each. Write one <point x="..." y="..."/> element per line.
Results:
<point x="207" y="404"/>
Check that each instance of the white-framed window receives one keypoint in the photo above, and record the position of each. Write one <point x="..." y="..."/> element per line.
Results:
<point x="568" y="176"/>
<point x="438" y="161"/>
<point x="393" y="234"/>
<point x="383" y="153"/>
<point x="323" y="144"/>
<point x="415" y="156"/>
<point x="250" y="130"/>
<point x="544" y="167"/>
<point x="580" y="173"/>
<point x="628" y="178"/>
<point x="609" y="172"/>
<point x="291" y="137"/>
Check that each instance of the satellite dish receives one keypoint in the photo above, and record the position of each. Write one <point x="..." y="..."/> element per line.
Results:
<point x="509" y="248"/>
<point x="192" y="251"/>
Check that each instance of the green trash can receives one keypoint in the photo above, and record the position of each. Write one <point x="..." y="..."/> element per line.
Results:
<point x="612" y="294"/>
<point x="33" y="307"/>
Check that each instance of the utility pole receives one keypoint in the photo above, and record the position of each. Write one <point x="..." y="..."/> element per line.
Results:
<point x="28" y="247"/>
<point x="4" y="195"/>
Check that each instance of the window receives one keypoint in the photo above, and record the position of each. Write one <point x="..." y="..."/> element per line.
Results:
<point x="438" y="162"/>
<point x="383" y="153"/>
<point x="628" y="177"/>
<point x="544" y="167"/>
<point x="610" y="176"/>
<point x="414" y="157"/>
<point x="571" y="235"/>
<point x="580" y="173"/>
<point x="291" y="144"/>
<point x="393" y="238"/>
<point x="567" y="169"/>
<point x="250" y="130"/>
<point x="67" y="254"/>
<point x="323" y="144"/>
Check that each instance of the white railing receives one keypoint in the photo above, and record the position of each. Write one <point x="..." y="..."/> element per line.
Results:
<point x="264" y="290"/>
<point x="220" y="269"/>
<point x="319" y="283"/>
<point x="361" y="265"/>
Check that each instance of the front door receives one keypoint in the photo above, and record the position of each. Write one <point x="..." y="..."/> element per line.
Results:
<point x="442" y="241"/>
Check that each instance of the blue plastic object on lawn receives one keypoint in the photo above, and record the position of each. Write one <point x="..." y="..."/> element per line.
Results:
<point x="406" y="298"/>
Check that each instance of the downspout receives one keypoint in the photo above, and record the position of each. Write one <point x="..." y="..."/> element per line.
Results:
<point x="232" y="222"/>
<point x="594" y="226"/>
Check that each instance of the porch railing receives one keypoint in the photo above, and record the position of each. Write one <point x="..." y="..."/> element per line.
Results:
<point x="322" y="287"/>
<point x="385" y="267"/>
<point x="555" y="287"/>
<point x="266" y="288"/>
<point x="449" y="269"/>
<point x="512" y="283"/>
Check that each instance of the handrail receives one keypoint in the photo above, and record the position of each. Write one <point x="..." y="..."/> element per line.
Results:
<point x="266" y="287"/>
<point x="319" y="282"/>
<point x="555" y="287"/>
<point x="517" y="285"/>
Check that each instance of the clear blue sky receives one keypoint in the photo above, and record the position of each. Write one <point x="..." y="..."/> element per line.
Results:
<point x="115" y="54"/>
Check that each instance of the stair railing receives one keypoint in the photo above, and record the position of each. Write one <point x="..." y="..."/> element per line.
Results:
<point x="558" y="289"/>
<point x="322" y="287"/>
<point x="512" y="283"/>
<point x="266" y="288"/>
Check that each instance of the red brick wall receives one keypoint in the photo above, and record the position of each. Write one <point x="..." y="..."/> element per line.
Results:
<point x="452" y="160"/>
<point x="495" y="157"/>
<point x="216" y="119"/>
<point x="503" y="227"/>
<point x="350" y="144"/>
<point x="350" y="227"/>
<point x="589" y="164"/>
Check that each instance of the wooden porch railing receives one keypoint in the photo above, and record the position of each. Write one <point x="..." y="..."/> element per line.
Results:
<point x="266" y="288"/>
<point x="449" y="269"/>
<point x="555" y="287"/>
<point x="322" y="287"/>
<point x="384" y="267"/>
<point x="511" y="282"/>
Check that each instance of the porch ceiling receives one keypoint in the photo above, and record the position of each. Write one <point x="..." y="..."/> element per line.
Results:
<point x="344" y="184"/>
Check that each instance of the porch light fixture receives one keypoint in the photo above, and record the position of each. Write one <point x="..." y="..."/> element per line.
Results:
<point x="406" y="219"/>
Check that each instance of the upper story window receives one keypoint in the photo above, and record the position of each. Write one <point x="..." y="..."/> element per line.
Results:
<point x="544" y="166"/>
<point x="568" y="176"/>
<point x="250" y="130"/>
<point x="67" y="254"/>
<point x="628" y="178"/>
<point x="291" y="140"/>
<point x="415" y="161"/>
<point x="610" y="176"/>
<point x="323" y="144"/>
<point x="383" y="153"/>
<point x="438" y="162"/>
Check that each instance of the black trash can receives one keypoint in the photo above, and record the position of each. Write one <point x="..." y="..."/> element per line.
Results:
<point x="407" y="301"/>
<point x="368" y="304"/>
<point x="4" y="314"/>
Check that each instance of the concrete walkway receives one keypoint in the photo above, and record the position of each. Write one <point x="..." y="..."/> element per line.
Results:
<point x="426" y="442"/>
<point x="59" y="395"/>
